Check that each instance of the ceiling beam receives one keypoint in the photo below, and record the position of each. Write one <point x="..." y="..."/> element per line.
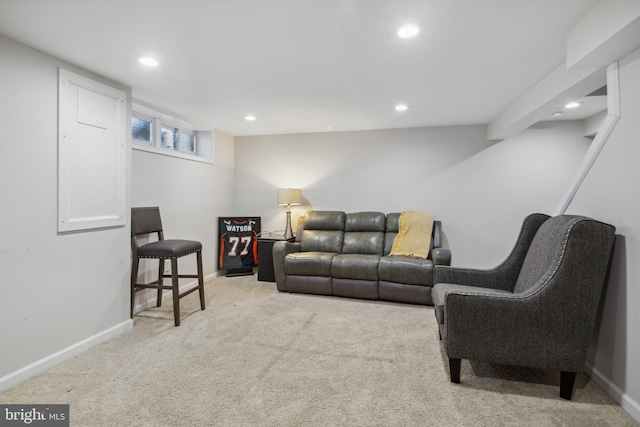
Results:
<point x="610" y="32"/>
<point x="549" y="95"/>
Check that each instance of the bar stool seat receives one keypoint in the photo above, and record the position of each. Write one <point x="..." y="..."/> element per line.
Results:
<point x="169" y="249"/>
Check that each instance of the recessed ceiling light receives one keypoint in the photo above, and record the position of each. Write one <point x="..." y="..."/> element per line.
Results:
<point x="401" y="107"/>
<point x="572" y="105"/>
<point x="408" y="31"/>
<point x="556" y="114"/>
<point x="148" y="61"/>
<point x="250" y="118"/>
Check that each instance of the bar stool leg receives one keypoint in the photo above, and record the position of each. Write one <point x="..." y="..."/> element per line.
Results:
<point x="134" y="280"/>
<point x="176" y="291"/>
<point x="200" y="279"/>
<point x="160" y="281"/>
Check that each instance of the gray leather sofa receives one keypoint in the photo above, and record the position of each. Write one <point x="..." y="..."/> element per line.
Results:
<point x="347" y="254"/>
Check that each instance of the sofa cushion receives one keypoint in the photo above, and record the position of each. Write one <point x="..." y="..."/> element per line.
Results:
<point x="365" y="221"/>
<point x="323" y="231"/>
<point x="308" y="263"/>
<point x="405" y="269"/>
<point x="324" y="220"/>
<point x="364" y="233"/>
<point x="363" y="242"/>
<point x="321" y="241"/>
<point x="355" y="266"/>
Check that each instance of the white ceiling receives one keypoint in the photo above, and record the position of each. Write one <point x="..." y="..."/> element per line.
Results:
<point x="308" y="65"/>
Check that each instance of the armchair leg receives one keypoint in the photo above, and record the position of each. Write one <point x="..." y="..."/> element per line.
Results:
<point x="566" y="384"/>
<point x="454" y="370"/>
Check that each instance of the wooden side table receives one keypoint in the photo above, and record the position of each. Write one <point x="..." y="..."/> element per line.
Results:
<point x="265" y="258"/>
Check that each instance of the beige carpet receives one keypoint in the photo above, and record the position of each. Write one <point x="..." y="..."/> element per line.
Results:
<point x="256" y="357"/>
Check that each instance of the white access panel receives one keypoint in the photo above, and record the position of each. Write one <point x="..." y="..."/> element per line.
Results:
<point x="92" y="128"/>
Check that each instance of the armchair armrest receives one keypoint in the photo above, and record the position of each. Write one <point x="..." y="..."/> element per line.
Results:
<point x="280" y="251"/>
<point x="492" y="279"/>
<point x="512" y="329"/>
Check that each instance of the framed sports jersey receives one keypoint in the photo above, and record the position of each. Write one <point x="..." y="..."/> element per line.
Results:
<point x="238" y="244"/>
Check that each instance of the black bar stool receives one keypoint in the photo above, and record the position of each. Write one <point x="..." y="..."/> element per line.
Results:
<point x="146" y="221"/>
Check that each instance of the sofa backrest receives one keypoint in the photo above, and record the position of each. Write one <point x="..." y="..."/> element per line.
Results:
<point x="323" y="231"/>
<point x="364" y="233"/>
<point x="393" y="226"/>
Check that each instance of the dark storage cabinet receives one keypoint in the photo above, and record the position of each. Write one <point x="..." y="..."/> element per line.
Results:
<point x="265" y="258"/>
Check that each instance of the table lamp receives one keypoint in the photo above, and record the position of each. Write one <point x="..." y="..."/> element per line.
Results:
<point x="289" y="197"/>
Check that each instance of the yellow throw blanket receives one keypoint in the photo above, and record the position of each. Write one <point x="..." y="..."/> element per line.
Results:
<point x="414" y="234"/>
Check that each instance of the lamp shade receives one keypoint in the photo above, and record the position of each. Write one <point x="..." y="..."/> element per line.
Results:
<point x="289" y="196"/>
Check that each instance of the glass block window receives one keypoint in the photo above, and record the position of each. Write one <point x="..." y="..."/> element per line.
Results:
<point x="141" y="130"/>
<point x="164" y="133"/>
<point x="176" y="139"/>
<point x="187" y="142"/>
<point x="168" y="137"/>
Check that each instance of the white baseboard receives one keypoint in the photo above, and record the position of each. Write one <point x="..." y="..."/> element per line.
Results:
<point x="623" y="399"/>
<point x="47" y="362"/>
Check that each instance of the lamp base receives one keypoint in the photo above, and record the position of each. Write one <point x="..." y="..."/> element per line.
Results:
<point x="288" y="234"/>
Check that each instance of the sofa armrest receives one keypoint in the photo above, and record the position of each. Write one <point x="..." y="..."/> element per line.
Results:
<point x="280" y="251"/>
<point x="441" y="256"/>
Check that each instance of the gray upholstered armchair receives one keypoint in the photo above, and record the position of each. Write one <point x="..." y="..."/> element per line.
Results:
<point x="537" y="308"/>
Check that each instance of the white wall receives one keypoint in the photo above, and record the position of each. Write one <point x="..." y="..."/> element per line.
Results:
<point x="64" y="292"/>
<point x="481" y="190"/>
<point x="610" y="193"/>
<point x="191" y="195"/>
<point x="57" y="289"/>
